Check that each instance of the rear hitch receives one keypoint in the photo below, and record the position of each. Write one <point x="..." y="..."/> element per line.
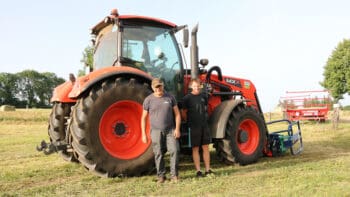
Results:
<point x="49" y="148"/>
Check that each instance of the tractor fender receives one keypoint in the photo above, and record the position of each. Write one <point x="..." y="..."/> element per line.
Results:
<point x="60" y="93"/>
<point x="218" y="119"/>
<point x="86" y="82"/>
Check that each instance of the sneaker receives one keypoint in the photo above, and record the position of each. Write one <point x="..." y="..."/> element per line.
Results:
<point x="161" y="179"/>
<point x="175" y="179"/>
<point x="209" y="172"/>
<point x="199" y="174"/>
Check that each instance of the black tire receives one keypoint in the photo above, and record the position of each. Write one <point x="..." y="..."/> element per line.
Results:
<point x="245" y="137"/>
<point x="99" y="127"/>
<point x="57" y="128"/>
<point x="224" y="151"/>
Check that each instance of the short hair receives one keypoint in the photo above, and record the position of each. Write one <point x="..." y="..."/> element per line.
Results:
<point x="195" y="80"/>
<point x="157" y="82"/>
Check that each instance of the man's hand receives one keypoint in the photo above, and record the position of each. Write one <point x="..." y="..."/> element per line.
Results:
<point x="144" y="138"/>
<point x="177" y="133"/>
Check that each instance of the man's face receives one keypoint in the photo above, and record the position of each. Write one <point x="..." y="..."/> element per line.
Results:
<point x="158" y="90"/>
<point x="196" y="88"/>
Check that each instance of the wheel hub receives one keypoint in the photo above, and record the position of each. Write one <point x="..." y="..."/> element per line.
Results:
<point x="243" y="136"/>
<point x="120" y="129"/>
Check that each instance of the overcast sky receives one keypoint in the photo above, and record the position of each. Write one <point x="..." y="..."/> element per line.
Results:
<point x="279" y="45"/>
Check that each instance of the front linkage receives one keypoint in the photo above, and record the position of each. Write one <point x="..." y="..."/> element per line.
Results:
<point x="280" y="141"/>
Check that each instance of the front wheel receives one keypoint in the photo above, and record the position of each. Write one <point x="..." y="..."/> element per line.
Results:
<point x="57" y="128"/>
<point x="245" y="136"/>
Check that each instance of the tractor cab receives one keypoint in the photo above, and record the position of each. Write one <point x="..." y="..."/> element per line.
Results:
<point x="144" y="43"/>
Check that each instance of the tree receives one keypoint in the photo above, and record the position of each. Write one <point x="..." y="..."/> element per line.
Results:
<point x="36" y="88"/>
<point x="87" y="59"/>
<point x="337" y="71"/>
<point x="45" y="83"/>
<point x="8" y="89"/>
<point x="26" y="86"/>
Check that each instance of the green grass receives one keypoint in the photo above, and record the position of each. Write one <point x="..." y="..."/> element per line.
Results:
<point x="321" y="170"/>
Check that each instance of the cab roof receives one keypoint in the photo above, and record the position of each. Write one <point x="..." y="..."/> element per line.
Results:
<point x="114" y="14"/>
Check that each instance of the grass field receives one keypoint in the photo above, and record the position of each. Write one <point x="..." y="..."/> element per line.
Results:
<point x="321" y="170"/>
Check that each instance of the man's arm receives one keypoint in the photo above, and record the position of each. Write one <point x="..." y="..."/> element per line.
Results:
<point x="143" y="125"/>
<point x="177" y="121"/>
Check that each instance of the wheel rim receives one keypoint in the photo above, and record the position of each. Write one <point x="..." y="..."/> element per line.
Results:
<point x="120" y="130"/>
<point x="247" y="137"/>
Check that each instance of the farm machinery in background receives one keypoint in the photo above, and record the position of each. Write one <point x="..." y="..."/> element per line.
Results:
<point x="95" y="119"/>
<point x="306" y="105"/>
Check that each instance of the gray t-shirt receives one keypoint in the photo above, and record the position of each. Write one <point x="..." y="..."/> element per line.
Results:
<point x="160" y="110"/>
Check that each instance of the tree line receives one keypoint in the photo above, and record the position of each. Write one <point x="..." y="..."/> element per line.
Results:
<point x="28" y="88"/>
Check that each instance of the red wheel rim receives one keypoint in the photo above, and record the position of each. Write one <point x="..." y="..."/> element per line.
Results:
<point x="120" y="130"/>
<point x="249" y="131"/>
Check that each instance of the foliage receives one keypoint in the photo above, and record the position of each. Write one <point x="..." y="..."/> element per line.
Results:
<point x="8" y="88"/>
<point x="318" y="102"/>
<point x="87" y="59"/>
<point x="28" y="88"/>
<point x="287" y="104"/>
<point x="337" y="71"/>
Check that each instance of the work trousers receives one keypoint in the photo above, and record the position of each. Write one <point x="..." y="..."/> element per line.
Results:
<point x="163" y="140"/>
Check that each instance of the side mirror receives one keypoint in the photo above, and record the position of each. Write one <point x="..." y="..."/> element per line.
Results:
<point x="185" y="37"/>
<point x="204" y="62"/>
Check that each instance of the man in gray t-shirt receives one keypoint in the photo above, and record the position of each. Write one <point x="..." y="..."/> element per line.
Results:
<point x="160" y="111"/>
<point x="165" y="128"/>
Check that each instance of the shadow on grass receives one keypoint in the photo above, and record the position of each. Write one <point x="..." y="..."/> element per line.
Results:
<point x="314" y="152"/>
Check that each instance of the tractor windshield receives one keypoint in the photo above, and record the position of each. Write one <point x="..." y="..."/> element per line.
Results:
<point x="153" y="50"/>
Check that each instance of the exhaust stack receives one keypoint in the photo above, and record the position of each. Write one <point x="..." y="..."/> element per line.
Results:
<point x="194" y="54"/>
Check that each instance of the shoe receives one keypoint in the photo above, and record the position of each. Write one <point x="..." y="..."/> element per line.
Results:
<point x="175" y="179"/>
<point x="161" y="179"/>
<point x="209" y="172"/>
<point x="199" y="174"/>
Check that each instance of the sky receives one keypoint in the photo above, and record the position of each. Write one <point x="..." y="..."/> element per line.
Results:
<point x="279" y="45"/>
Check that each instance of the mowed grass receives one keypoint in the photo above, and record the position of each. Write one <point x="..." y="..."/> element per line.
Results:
<point x="321" y="170"/>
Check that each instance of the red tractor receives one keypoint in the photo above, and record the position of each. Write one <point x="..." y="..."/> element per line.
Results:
<point x="95" y="120"/>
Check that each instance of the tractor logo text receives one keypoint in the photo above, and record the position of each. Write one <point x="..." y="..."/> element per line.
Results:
<point x="234" y="82"/>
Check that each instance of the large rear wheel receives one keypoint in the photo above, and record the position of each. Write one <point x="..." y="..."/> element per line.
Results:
<point x="58" y="123"/>
<point x="245" y="137"/>
<point x="107" y="132"/>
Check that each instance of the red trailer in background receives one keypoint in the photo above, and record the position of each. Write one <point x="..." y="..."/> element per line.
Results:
<point x="306" y="105"/>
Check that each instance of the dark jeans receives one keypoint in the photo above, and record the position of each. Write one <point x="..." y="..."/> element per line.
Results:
<point x="162" y="141"/>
